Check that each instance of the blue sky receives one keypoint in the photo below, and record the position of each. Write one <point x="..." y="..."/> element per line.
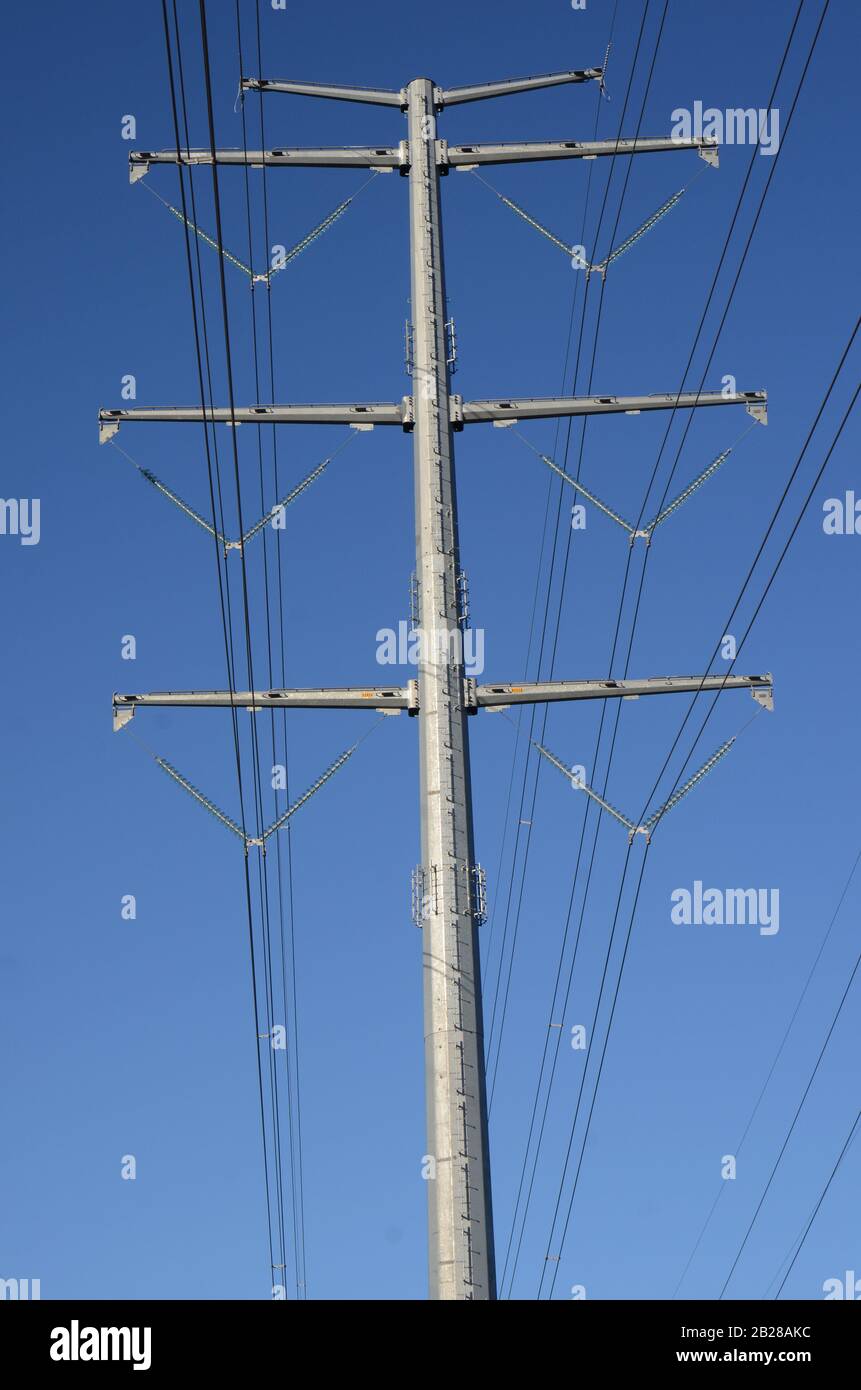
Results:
<point x="136" y="1037"/>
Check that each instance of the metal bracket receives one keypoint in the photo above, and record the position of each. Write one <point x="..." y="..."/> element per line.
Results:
<point x="451" y="343"/>
<point x="414" y="601"/>
<point x="764" y="696"/>
<point x="758" y="410"/>
<point x="639" y="830"/>
<point x="456" y="411"/>
<point x="417" y="894"/>
<point x="122" y="715"/>
<point x="408" y="347"/>
<point x="710" y="153"/>
<point x="462" y="599"/>
<point x="424" y="894"/>
<point x="478" y="889"/>
<point x="412" y="697"/>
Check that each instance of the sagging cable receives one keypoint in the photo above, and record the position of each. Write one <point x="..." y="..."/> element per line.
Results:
<point x="647" y="826"/>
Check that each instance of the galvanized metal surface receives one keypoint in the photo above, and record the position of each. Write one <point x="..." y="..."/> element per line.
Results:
<point x="449" y="889"/>
<point x="460" y="1229"/>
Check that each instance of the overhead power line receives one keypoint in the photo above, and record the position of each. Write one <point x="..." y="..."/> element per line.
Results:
<point x="824" y="1193"/>
<point x="200" y="339"/>
<point x="732" y="291"/>
<point x="450" y="901"/>
<point x="636" y="896"/>
<point x="777" y="1056"/>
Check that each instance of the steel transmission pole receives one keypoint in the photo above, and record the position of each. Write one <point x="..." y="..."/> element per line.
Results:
<point x="460" y="1223"/>
<point x="448" y="888"/>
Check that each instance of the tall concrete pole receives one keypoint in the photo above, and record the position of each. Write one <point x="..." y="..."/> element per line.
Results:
<point x="460" y="1228"/>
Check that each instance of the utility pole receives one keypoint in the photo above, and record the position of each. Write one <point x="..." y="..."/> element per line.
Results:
<point x="448" y="887"/>
<point x="460" y="1221"/>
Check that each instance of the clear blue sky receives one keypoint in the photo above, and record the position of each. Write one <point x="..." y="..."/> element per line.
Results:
<point x="136" y="1037"/>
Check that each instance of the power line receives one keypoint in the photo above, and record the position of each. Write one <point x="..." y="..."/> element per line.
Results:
<point x="639" y="520"/>
<point x="850" y="1136"/>
<point x="778" y="1054"/>
<point x="556" y="532"/>
<point x="293" y="1083"/>
<point x="759" y="552"/>
<point x="262" y="865"/>
<point x="622" y="964"/>
<point x="449" y="882"/>
<point x="228" y="641"/>
<point x="824" y="1045"/>
<point x="547" y="507"/>
<point x="245" y="593"/>
<point x="558" y="620"/>
<point x="601" y="1061"/>
<point x="633" y="913"/>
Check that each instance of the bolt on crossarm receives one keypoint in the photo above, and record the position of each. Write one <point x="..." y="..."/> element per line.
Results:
<point x="392" y="699"/>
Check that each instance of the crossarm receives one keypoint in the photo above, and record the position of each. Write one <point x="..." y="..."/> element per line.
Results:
<point x="538" y="408"/>
<point x="394" y="698"/>
<point x="325" y="157"/>
<point x="527" y="151"/>
<point x="365" y="416"/>
<point x="373" y="96"/>
<point x="522" y="693"/>
<point x="453" y="96"/>
<point x="380" y="697"/>
<point x="360" y="416"/>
